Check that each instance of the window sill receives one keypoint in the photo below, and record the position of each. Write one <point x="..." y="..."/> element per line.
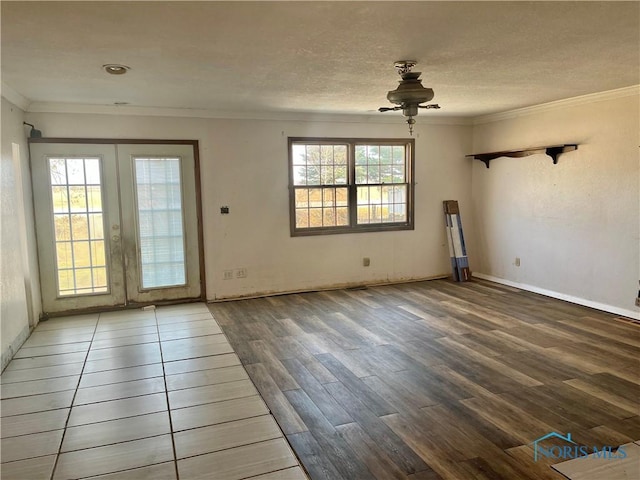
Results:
<point x="391" y="227"/>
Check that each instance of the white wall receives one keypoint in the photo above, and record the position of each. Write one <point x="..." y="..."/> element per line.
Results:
<point x="244" y="166"/>
<point x="574" y="225"/>
<point x="19" y="287"/>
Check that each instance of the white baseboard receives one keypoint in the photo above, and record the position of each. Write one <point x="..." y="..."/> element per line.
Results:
<point x="562" y="296"/>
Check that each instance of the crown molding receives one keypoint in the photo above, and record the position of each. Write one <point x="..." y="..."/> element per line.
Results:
<point x="76" y="108"/>
<point x="568" y="102"/>
<point x="14" y="97"/>
<point x="390" y="118"/>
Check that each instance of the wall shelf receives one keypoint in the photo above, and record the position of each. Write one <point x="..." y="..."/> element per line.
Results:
<point x="552" y="150"/>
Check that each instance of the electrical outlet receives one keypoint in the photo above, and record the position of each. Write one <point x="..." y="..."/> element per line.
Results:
<point x="366" y="261"/>
<point x="241" y="273"/>
<point x="517" y="262"/>
<point x="227" y="275"/>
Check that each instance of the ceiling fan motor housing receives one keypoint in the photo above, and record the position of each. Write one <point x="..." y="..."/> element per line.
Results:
<point x="410" y="92"/>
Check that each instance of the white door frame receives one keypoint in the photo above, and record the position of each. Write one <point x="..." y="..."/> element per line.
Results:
<point x="193" y="196"/>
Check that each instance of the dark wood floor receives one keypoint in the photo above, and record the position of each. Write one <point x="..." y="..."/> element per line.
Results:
<point x="436" y="380"/>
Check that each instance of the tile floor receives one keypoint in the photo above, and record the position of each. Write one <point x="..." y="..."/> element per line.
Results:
<point x="145" y="394"/>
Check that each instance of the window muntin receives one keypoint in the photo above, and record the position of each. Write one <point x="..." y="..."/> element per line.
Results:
<point x="78" y="218"/>
<point x="350" y="185"/>
<point x="320" y="179"/>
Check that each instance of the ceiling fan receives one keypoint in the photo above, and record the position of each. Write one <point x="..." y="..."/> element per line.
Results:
<point x="410" y="93"/>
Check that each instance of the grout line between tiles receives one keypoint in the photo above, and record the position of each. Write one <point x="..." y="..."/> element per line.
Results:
<point x="124" y="381"/>
<point x="226" y="421"/>
<point x="209" y="384"/>
<point x="115" y="399"/>
<point x="35" y="433"/>
<point x="119" y="418"/>
<point x="166" y="393"/>
<point x="34" y="394"/>
<point x="237" y="446"/>
<point x="224" y="400"/>
<point x="118" y="368"/>
<point x="40" y="379"/>
<point x="117" y="443"/>
<point x="273" y="471"/>
<point x="64" y="431"/>
<point x="119" y="471"/>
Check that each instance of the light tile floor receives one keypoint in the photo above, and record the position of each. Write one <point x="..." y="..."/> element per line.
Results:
<point x="145" y="394"/>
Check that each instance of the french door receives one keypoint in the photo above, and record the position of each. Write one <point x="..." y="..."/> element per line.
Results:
<point x="116" y="224"/>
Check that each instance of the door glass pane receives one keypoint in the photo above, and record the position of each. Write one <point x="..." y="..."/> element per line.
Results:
<point x="160" y="222"/>
<point x="80" y="270"/>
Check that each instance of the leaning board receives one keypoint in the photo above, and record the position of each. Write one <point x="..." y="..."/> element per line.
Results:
<point x="455" y="237"/>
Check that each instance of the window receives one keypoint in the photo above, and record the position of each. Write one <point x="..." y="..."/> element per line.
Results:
<point x="78" y="218"/>
<point x="350" y="185"/>
<point x="160" y="222"/>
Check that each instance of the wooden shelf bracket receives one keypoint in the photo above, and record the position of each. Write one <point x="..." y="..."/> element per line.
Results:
<point x="552" y="150"/>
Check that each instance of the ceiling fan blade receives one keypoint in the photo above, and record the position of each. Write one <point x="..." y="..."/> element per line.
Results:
<point x="433" y="105"/>
<point x="388" y="109"/>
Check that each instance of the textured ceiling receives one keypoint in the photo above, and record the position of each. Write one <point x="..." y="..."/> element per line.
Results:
<point x="327" y="57"/>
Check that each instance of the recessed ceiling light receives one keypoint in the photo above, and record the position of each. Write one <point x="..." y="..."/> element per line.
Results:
<point x="115" y="68"/>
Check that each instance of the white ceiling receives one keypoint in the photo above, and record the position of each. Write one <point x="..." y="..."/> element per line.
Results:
<point x="326" y="57"/>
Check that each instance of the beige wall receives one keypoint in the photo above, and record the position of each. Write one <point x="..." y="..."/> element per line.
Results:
<point x="244" y="166"/>
<point x="574" y="225"/>
<point x="19" y="287"/>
